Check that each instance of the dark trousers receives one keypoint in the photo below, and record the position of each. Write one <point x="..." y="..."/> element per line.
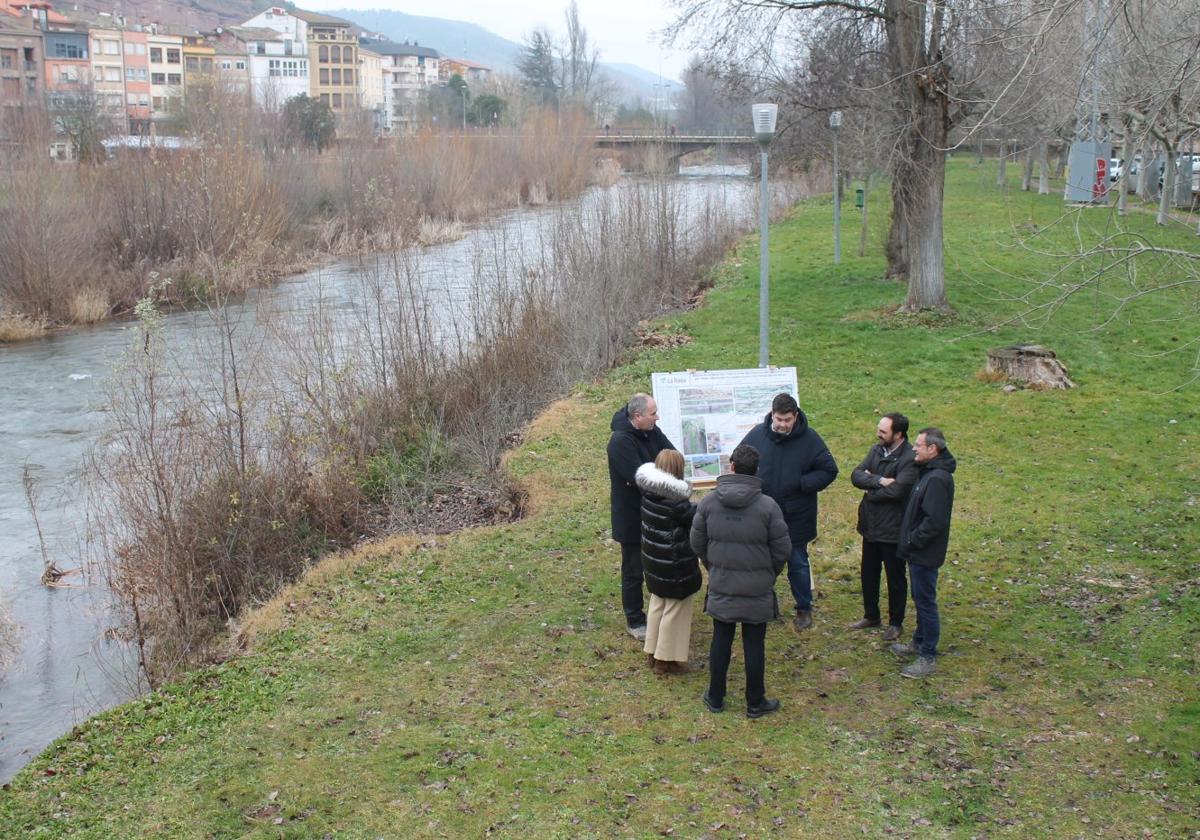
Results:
<point x="929" y="623"/>
<point x="754" y="649"/>
<point x="632" y="579"/>
<point x="878" y="556"/>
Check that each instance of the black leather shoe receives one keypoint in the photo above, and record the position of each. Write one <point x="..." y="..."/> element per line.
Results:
<point x="716" y="708"/>
<point x="761" y="708"/>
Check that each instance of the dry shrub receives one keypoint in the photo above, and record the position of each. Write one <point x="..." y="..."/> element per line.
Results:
<point x="17" y="327"/>
<point x="49" y="238"/>
<point x="88" y="306"/>
<point x="390" y="413"/>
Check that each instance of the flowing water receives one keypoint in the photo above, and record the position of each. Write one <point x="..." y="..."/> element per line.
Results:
<point x="66" y="666"/>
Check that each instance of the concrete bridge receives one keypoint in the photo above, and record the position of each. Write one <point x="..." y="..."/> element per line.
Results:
<point x="673" y="143"/>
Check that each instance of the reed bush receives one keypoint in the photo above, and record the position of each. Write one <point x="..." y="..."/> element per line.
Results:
<point x="17" y="327"/>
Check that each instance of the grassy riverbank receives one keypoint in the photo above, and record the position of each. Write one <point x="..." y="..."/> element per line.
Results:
<point x="481" y="683"/>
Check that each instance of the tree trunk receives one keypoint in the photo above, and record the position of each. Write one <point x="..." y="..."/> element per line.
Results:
<point x="1002" y="171"/>
<point x="1027" y="171"/>
<point x="1032" y="363"/>
<point x="1043" y="169"/>
<point x="1168" y="187"/>
<point x="914" y="43"/>
<point x="862" y="227"/>
<point x="1064" y="153"/>
<point x="897" y="244"/>
<point x="927" y="278"/>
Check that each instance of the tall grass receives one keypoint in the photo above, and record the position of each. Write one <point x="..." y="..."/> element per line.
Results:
<point x="234" y="210"/>
<point x="309" y="432"/>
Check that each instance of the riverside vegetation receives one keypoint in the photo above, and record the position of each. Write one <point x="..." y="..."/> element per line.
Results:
<point x="480" y="682"/>
<point x="79" y="244"/>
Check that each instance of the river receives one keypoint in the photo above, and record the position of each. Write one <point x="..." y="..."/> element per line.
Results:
<point x="66" y="668"/>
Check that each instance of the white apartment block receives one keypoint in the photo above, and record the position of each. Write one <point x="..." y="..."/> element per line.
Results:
<point x="108" y="73"/>
<point x="409" y="70"/>
<point x="166" y="74"/>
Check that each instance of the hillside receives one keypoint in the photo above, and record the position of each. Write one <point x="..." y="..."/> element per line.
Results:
<point x="481" y="683"/>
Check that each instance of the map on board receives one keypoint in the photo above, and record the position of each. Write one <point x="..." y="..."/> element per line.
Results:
<point x="706" y="413"/>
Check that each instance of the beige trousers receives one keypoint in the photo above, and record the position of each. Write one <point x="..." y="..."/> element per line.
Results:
<point x="669" y="628"/>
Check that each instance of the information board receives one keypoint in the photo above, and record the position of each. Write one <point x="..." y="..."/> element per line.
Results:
<point x="706" y="413"/>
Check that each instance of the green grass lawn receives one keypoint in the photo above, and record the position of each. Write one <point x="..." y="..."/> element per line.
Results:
<point x="482" y="685"/>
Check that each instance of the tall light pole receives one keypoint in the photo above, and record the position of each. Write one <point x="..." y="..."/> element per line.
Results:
<point x="463" y="91"/>
<point x="835" y="120"/>
<point x="764" y="132"/>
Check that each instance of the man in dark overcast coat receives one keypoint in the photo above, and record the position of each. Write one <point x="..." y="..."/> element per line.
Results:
<point x="636" y="440"/>
<point x="794" y="465"/>
<point x="924" y="538"/>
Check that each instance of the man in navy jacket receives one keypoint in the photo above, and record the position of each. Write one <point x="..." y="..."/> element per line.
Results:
<point x="924" y="537"/>
<point x="636" y="440"/>
<point x="794" y="465"/>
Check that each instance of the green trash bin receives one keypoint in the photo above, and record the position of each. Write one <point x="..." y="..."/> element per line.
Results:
<point x="858" y="198"/>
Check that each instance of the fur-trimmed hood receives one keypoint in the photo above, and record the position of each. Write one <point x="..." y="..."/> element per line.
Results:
<point x="650" y="479"/>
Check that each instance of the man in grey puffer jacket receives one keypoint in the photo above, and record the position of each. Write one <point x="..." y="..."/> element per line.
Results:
<point x="742" y="539"/>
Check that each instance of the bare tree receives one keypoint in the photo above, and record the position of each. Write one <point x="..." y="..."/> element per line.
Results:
<point x="922" y="45"/>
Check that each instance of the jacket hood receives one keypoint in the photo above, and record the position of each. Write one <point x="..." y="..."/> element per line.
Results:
<point x="943" y="461"/>
<point x="650" y="479"/>
<point x="738" y="491"/>
<point x="798" y="429"/>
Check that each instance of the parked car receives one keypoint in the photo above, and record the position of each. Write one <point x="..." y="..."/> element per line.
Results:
<point x="1181" y="167"/>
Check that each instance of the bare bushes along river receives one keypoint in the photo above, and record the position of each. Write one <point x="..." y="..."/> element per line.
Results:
<point x="192" y="461"/>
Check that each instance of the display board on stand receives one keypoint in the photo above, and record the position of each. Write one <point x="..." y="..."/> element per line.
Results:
<point x="706" y="413"/>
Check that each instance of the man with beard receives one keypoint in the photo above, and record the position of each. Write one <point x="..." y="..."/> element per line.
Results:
<point x="887" y="474"/>
<point x="794" y="465"/>
<point x="636" y="440"/>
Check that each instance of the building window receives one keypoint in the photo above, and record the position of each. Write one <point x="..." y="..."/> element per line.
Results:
<point x="323" y="75"/>
<point x="112" y="47"/>
<point x="225" y="65"/>
<point x="206" y="65"/>
<point x="240" y="65"/>
<point x="159" y="102"/>
<point x="172" y="56"/>
<point x="113" y="74"/>
<point x="8" y="59"/>
<point x="260" y="47"/>
<point x="348" y="76"/>
<point x="336" y="76"/>
<point x="325" y="98"/>
<point x="337" y="100"/>
<point x="191" y="64"/>
<point x="158" y="78"/>
<point x="156" y="55"/>
<point x="323" y="54"/>
<point x="63" y="50"/>
<point x="174" y="79"/>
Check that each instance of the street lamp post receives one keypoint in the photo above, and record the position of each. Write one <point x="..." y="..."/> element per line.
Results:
<point x="463" y="91"/>
<point x="764" y="132"/>
<point x="835" y="120"/>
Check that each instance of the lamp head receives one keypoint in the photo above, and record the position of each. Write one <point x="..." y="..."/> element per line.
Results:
<point x="764" y="122"/>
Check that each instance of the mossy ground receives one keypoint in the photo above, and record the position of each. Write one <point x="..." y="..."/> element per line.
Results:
<point x="481" y="684"/>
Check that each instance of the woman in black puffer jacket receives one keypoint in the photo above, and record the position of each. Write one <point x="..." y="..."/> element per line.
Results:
<point x="672" y="570"/>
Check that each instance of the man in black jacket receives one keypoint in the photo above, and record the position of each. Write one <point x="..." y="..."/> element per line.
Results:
<point x="636" y="440"/>
<point x="924" y="537"/>
<point x="795" y="465"/>
<point x="887" y="474"/>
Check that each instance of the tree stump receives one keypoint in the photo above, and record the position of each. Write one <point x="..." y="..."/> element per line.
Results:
<point x="1031" y="363"/>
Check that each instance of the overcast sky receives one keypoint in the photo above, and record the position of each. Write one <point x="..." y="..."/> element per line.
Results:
<point x="623" y="30"/>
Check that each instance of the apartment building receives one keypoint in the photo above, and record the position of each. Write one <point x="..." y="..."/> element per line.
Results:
<point x="165" y="60"/>
<point x="137" y="81"/>
<point x="277" y="50"/>
<point x="370" y="84"/>
<point x="471" y="72"/>
<point x="108" y="73"/>
<point x="409" y="70"/>
<point x="199" y="61"/>
<point x="333" y="50"/>
<point x="21" y="79"/>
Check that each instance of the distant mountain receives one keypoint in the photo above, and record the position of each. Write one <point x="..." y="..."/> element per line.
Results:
<point x="459" y="39"/>
<point x="453" y="38"/>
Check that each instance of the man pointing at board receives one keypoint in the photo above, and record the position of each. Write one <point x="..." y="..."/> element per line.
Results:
<point x="794" y="465"/>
